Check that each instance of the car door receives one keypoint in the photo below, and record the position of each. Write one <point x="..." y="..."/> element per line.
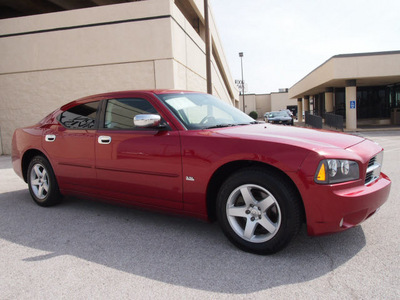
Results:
<point x="137" y="165"/>
<point x="69" y="144"/>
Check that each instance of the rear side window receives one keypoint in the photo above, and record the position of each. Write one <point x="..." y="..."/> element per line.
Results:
<point x="120" y="112"/>
<point x="80" y="117"/>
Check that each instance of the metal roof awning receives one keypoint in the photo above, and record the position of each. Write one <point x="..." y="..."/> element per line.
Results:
<point x="368" y="69"/>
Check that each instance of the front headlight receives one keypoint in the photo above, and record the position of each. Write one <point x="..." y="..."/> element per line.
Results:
<point x="336" y="170"/>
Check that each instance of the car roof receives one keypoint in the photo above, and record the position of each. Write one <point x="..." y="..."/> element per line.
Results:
<point x="120" y="94"/>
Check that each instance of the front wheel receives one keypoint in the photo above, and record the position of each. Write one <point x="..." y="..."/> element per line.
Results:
<point x="42" y="183"/>
<point x="259" y="211"/>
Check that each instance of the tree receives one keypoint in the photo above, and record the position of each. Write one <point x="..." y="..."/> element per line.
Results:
<point x="254" y="115"/>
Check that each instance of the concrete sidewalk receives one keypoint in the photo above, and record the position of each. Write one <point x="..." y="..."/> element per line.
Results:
<point x="364" y="128"/>
<point x="88" y="250"/>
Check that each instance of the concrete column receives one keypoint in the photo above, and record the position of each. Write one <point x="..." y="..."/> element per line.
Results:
<point x="329" y="100"/>
<point x="306" y="103"/>
<point x="300" y="109"/>
<point x="351" y="105"/>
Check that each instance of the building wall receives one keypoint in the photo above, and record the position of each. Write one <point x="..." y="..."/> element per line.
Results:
<point x="51" y="59"/>
<point x="281" y="101"/>
<point x="250" y="103"/>
<point x="262" y="103"/>
<point x="352" y="72"/>
<point x="379" y="68"/>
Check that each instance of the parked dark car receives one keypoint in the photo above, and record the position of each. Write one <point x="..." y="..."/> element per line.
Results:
<point x="279" y="117"/>
<point x="191" y="154"/>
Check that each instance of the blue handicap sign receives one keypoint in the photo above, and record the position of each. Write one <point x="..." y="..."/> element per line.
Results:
<point x="352" y="104"/>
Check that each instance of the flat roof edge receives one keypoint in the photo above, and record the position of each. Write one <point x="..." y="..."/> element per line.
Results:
<point x="367" y="54"/>
<point x="349" y="55"/>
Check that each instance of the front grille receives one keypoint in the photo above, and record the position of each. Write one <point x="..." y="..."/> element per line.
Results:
<point x="371" y="161"/>
<point x="374" y="168"/>
<point x="368" y="177"/>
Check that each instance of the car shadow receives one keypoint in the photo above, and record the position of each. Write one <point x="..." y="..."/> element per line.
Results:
<point x="174" y="250"/>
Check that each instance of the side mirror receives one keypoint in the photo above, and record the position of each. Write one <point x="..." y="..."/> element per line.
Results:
<point x="147" y="121"/>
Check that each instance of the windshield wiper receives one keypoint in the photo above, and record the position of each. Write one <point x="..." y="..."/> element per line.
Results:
<point x="250" y="123"/>
<point x="231" y="125"/>
<point x="221" y="126"/>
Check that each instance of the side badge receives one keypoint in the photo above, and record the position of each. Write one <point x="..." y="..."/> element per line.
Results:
<point x="189" y="178"/>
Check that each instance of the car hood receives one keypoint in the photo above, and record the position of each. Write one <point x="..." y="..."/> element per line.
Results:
<point x="301" y="137"/>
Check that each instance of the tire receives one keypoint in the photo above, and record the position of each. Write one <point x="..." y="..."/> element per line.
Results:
<point x="42" y="183"/>
<point x="259" y="211"/>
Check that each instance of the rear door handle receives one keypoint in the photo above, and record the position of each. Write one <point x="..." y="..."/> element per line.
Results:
<point x="103" y="139"/>
<point x="50" y="138"/>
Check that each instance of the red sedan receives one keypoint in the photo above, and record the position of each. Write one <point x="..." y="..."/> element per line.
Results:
<point x="192" y="154"/>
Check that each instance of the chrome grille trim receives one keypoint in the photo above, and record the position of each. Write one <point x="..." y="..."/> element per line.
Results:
<point x="371" y="162"/>
<point x="374" y="168"/>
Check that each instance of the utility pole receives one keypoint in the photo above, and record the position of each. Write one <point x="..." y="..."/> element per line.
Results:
<point x="208" y="48"/>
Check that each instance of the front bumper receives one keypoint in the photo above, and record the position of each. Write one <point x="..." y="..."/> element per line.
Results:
<point x="283" y="122"/>
<point x="334" y="208"/>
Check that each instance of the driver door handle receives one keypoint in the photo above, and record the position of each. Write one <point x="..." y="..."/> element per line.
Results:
<point x="103" y="139"/>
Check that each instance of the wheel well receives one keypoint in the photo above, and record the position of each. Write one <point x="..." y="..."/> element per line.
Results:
<point x="26" y="159"/>
<point x="228" y="169"/>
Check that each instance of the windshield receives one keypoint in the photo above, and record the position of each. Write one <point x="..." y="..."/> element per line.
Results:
<point x="202" y="111"/>
<point x="276" y="114"/>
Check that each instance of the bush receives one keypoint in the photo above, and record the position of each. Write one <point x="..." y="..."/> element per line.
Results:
<point x="254" y="115"/>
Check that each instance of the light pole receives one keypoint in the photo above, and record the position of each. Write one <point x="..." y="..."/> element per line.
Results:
<point x="241" y="63"/>
<point x="208" y="48"/>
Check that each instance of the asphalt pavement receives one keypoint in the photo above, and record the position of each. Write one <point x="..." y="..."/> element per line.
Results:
<point x="90" y="250"/>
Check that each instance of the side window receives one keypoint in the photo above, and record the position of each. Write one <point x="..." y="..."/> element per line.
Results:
<point x="80" y="117"/>
<point x="120" y="112"/>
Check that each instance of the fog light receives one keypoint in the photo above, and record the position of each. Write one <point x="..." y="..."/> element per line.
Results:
<point x="341" y="223"/>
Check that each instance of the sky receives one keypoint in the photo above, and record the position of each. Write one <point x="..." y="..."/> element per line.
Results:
<point x="284" y="40"/>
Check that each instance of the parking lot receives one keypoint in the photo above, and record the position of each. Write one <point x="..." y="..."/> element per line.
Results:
<point x="82" y="249"/>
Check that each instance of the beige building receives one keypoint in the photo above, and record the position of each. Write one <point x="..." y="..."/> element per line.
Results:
<point x="62" y="53"/>
<point x="262" y="103"/>
<point x="364" y="88"/>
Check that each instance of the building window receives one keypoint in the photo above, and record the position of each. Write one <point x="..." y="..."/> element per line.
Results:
<point x="340" y="102"/>
<point x="394" y="96"/>
<point x="373" y="102"/>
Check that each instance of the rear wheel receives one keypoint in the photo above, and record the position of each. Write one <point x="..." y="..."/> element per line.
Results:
<point x="42" y="183"/>
<point x="259" y="211"/>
